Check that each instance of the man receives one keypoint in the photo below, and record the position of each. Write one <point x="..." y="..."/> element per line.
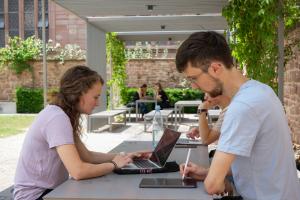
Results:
<point x="255" y="141"/>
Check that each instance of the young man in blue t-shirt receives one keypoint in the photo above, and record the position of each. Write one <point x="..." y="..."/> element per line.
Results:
<point x="255" y="142"/>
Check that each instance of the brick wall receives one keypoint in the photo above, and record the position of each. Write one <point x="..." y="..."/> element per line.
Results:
<point x="149" y="71"/>
<point x="65" y="27"/>
<point x="292" y="89"/>
<point x="9" y="80"/>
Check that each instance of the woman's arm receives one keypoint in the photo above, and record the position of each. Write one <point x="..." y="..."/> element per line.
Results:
<point x="93" y="157"/>
<point x="81" y="169"/>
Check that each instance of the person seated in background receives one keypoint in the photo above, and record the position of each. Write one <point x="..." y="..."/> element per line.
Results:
<point x="161" y="96"/>
<point x="53" y="149"/>
<point x="141" y="94"/>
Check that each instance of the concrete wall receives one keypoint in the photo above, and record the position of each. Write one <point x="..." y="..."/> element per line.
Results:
<point x="140" y="71"/>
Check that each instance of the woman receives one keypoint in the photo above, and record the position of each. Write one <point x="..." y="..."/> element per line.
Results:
<point x="52" y="148"/>
<point x="141" y="94"/>
<point x="161" y="96"/>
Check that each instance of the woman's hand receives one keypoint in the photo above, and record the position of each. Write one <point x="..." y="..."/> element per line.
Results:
<point x="140" y="154"/>
<point x="193" y="133"/>
<point x="194" y="171"/>
<point x="122" y="160"/>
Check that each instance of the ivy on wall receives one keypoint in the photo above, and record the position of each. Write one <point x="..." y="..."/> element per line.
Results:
<point x="253" y="25"/>
<point x="115" y="52"/>
<point x="18" y="53"/>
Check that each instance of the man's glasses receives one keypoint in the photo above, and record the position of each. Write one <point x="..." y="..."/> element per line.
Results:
<point x="192" y="79"/>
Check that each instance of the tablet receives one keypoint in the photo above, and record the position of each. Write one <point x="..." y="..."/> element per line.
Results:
<point x="168" y="183"/>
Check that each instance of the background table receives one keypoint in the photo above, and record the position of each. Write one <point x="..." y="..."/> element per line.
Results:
<point x="126" y="187"/>
<point x="179" y="105"/>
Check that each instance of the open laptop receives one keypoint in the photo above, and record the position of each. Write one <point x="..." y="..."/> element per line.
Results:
<point x="160" y="154"/>
<point x="188" y="141"/>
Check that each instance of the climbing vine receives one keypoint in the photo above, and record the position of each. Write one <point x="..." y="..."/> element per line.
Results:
<point x="253" y="25"/>
<point x="115" y="50"/>
<point x="17" y="54"/>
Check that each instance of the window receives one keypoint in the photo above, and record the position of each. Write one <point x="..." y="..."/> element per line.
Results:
<point x="13" y="17"/>
<point x="28" y="26"/>
<point x="2" y="34"/>
<point x="40" y="22"/>
<point x="28" y="18"/>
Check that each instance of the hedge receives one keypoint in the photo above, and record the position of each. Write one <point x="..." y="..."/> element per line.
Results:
<point x="174" y="94"/>
<point x="29" y="100"/>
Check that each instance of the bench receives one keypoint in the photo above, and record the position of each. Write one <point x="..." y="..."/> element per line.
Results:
<point x="109" y="114"/>
<point x="164" y="113"/>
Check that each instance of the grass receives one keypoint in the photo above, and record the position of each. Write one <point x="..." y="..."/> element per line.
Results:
<point x="14" y="124"/>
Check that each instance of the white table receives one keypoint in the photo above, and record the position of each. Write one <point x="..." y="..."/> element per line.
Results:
<point x="126" y="187"/>
<point x="142" y="101"/>
<point x="164" y="113"/>
<point x="213" y="114"/>
<point x="109" y="114"/>
<point x="128" y="110"/>
<point x="179" y="105"/>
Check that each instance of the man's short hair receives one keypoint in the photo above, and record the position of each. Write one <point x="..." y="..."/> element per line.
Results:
<point x="201" y="48"/>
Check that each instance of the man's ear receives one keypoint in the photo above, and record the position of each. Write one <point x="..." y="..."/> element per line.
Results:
<point x="215" y="69"/>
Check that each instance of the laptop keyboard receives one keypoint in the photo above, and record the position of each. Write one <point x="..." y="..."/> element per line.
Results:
<point x="144" y="164"/>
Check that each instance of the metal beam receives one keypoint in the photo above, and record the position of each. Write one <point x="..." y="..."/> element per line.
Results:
<point x="44" y="54"/>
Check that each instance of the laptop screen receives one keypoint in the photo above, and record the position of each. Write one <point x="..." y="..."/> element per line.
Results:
<point x="164" y="147"/>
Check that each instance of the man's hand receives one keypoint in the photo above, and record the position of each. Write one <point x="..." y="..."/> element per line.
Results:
<point x="194" y="171"/>
<point x="210" y="102"/>
<point x="193" y="133"/>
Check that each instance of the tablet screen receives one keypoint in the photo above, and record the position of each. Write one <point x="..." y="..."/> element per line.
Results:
<point x="168" y="183"/>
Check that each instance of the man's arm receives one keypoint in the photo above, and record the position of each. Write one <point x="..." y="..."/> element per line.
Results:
<point x="219" y="168"/>
<point x="207" y="135"/>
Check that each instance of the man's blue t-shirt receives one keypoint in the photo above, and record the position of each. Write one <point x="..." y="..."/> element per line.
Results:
<point x="255" y="129"/>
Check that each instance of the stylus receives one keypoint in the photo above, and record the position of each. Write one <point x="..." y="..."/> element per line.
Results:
<point x="186" y="162"/>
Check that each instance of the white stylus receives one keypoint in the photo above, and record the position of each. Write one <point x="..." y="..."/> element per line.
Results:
<point x="186" y="162"/>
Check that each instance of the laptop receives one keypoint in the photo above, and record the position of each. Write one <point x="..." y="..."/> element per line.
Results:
<point x="187" y="141"/>
<point x="160" y="154"/>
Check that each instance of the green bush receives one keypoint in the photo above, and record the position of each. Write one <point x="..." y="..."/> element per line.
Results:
<point x="29" y="100"/>
<point x="174" y="94"/>
<point x="177" y="94"/>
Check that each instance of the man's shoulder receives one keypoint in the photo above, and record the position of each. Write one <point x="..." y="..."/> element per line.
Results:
<point x="254" y="93"/>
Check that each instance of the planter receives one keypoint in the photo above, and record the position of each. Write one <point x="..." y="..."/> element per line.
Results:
<point x="8" y="107"/>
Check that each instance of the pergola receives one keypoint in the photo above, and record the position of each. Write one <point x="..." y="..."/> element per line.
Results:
<point x="142" y="20"/>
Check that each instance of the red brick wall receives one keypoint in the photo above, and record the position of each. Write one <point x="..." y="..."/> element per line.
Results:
<point x="140" y="71"/>
<point x="10" y="81"/>
<point x="65" y="27"/>
<point x="292" y="89"/>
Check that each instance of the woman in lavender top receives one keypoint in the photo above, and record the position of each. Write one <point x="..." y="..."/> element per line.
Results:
<point x="52" y="149"/>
